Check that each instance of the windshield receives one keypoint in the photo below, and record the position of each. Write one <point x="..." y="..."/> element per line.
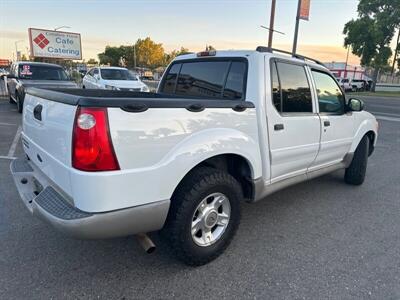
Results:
<point x="117" y="74"/>
<point x="42" y="72"/>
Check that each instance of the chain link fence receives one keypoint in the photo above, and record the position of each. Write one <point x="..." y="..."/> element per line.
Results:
<point x="388" y="78"/>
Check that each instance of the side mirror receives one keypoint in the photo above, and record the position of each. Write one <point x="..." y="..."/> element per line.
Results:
<point x="355" y="105"/>
<point x="96" y="76"/>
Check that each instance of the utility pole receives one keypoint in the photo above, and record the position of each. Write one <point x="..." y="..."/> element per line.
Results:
<point x="16" y="49"/>
<point x="296" y="30"/>
<point x="347" y="60"/>
<point x="134" y="56"/>
<point x="271" y="24"/>
<point x="395" y="52"/>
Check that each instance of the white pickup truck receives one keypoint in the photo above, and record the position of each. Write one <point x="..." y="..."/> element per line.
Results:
<point x="224" y="127"/>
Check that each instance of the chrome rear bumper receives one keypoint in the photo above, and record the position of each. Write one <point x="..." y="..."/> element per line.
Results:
<point x="45" y="201"/>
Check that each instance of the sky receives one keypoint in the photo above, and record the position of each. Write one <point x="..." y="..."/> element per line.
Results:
<point x="193" y="24"/>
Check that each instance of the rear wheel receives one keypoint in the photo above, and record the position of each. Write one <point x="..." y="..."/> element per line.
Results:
<point x="204" y="216"/>
<point x="355" y="173"/>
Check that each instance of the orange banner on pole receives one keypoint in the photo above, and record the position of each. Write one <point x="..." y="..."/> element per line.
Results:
<point x="304" y="10"/>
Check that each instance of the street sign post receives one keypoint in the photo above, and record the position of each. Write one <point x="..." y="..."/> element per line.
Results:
<point x="303" y="13"/>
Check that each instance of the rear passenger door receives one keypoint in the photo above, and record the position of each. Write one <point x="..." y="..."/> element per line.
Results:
<point x="293" y="123"/>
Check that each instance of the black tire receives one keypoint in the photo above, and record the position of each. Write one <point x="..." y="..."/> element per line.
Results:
<point x="177" y="231"/>
<point x="20" y="103"/>
<point x="355" y="173"/>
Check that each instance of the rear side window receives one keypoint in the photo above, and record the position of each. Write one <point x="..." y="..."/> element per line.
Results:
<point x="294" y="89"/>
<point x="207" y="79"/>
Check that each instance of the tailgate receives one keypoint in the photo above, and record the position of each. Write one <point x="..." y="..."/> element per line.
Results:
<point x="47" y="136"/>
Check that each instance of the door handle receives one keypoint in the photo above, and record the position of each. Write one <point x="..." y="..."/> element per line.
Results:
<point x="195" y="107"/>
<point x="37" y="112"/>
<point x="239" y="107"/>
<point x="327" y="123"/>
<point x="278" y="127"/>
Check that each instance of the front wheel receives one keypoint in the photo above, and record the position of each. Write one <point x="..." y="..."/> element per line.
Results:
<point x="204" y="216"/>
<point x="355" y="173"/>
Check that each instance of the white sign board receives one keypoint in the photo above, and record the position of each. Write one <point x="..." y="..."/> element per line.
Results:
<point x="55" y="44"/>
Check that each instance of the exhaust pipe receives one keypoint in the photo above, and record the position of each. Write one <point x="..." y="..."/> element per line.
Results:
<point x="146" y="243"/>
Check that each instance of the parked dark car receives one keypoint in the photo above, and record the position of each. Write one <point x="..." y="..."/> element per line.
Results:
<point x="33" y="74"/>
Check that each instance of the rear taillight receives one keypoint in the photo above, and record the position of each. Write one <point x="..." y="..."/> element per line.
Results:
<point x="92" y="148"/>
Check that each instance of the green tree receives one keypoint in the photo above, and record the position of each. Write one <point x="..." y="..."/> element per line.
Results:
<point x="370" y="35"/>
<point x="111" y="55"/>
<point x="210" y="48"/>
<point x="170" y="56"/>
<point x="92" y="61"/>
<point x="128" y="54"/>
<point x="149" y="54"/>
<point x="144" y="53"/>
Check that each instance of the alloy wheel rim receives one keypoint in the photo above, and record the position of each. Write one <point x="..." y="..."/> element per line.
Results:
<point x="210" y="219"/>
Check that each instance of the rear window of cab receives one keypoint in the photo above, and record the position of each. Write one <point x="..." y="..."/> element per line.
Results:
<point x="207" y="78"/>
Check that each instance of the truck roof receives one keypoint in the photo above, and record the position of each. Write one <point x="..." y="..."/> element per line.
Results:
<point x="112" y="68"/>
<point x="260" y="51"/>
<point x="37" y="64"/>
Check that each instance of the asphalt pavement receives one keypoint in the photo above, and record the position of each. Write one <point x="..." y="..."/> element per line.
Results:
<point x="317" y="240"/>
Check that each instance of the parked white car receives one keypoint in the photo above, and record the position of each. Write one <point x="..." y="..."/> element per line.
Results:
<point x="225" y="127"/>
<point x="345" y="84"/>
<point x="358" y="85"/>
<point x="113" y="78"/>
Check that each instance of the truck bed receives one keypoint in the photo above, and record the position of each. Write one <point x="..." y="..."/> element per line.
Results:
<point x="151" y="135"/>
<point x="132" y="101"/>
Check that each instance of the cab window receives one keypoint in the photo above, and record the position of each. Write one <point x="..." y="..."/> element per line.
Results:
<point x="202" y="79"/>
<point x="209" y="79"/>
<point x="330" y="97"/>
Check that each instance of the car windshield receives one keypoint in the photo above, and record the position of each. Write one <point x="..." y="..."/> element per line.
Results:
<point x="345" y="80"/>
<point x="117" y="74"/>
<point x="42" y="72"/>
